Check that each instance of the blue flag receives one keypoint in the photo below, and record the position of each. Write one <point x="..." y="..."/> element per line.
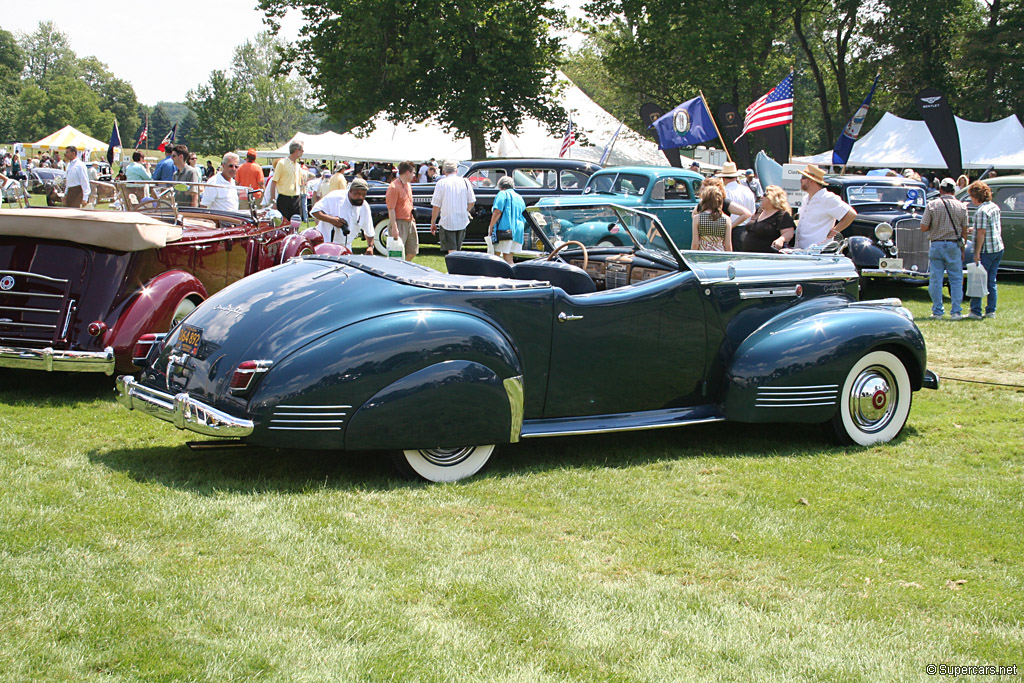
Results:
<point x="687" y="125"/>
<point x="841" y="153"/>
<point x="115" y="141"/>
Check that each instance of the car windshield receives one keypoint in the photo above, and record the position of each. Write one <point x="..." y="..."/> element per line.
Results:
<point x="625" y="184"/>
<point x="601" y="225"/>
<point x="904" y="196"/>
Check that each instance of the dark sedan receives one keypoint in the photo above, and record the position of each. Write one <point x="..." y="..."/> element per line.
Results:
<point x="534" y="178"/>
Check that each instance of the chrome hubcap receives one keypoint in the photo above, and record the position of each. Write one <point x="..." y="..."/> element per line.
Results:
<point x="873" y="399"/>
<point x="446" y="457"/>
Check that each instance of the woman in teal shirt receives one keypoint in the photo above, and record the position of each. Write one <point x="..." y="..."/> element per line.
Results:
<point x="507" y="214"/>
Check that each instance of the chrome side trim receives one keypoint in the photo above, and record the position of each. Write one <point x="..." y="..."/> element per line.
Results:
<point x="514" y="390"/>
<point x="632" y="428"/>
<point x="760" y="280"/>
<point x="769" y="292"/>
<point x="49" y="359"/>
<point x="180" y="409"/>
<point x="797" y="397"/>
<point x="36" y="276"/>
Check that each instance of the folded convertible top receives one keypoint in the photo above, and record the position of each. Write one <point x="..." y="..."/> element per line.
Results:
<point x="117" y="230"/>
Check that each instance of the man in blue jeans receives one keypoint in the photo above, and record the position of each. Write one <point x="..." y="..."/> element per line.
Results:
<point x="988" y="244"/>
<point x="945" y="221"/>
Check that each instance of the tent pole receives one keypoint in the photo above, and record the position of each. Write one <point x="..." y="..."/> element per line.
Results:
<point x="715" y="124"/>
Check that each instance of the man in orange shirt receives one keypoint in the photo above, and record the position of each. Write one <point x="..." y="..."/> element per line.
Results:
<point x="399" y="202"/>
<point x="251" y="175"/>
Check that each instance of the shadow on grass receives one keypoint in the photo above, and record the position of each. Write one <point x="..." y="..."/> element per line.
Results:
<point x="53" y="389"/>
<point x="252" y="470"/>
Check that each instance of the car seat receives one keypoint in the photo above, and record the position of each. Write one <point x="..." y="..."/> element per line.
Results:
<point x="477" y="263"/>
<point x="570" y="278"/>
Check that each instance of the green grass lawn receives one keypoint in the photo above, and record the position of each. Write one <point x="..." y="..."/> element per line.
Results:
<point x="716" y="552"/>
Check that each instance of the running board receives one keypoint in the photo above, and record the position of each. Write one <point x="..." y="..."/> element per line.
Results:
<point x="620" y="422"/>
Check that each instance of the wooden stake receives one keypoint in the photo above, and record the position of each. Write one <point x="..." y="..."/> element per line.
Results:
<point x="715" y="124"/>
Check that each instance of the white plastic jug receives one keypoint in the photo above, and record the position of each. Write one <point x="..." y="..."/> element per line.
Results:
<point x="977" y="280"/>
<point x="395" y="248"/>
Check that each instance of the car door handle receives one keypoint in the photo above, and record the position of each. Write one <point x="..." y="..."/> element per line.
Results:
<point x="563" y="316"/>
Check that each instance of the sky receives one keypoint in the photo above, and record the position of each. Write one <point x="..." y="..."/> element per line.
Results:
<point x="158" y="72"/>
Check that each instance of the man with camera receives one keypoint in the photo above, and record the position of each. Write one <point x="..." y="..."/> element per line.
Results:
<point x="343" y="214"/>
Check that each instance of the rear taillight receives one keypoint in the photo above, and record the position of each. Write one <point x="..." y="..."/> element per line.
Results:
<point x="246" y="374"/>
<point x="143" y="347"/>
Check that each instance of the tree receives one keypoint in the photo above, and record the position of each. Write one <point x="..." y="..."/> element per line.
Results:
<point x="115" y="95"/>
<point x="277" y="98"/>
<point x="159" y="124"/>
<point x="40" y="112"/>
<point x="222" y="125"/>
<point x="470" y="65"/>
<point x="12" y="62"/>
<point x="48" y="54"/>
<point x="187" y="128"/>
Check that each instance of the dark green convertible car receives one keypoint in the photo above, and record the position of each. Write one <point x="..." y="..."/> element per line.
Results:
<point x="366" y="353"/>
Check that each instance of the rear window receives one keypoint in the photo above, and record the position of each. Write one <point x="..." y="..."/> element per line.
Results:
<point x="627" y="184"/>
<point x="485" y="177"/>
<point x="1009" y="198"/>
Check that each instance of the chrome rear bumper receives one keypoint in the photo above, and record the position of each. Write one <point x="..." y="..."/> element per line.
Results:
<point x="63" y="361"/>
<point x="180" y="409"/>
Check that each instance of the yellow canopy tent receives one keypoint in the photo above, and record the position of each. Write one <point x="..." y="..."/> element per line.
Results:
<point x="69" y="135"/>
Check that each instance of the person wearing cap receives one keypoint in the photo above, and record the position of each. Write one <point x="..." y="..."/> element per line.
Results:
<point x="343" y="214"/>
<point x="945" y="222"/>
<point x="823" y="215"/>
<point x="753" y="183"/>
<point x="738" y="194"/>
<point x="695" y="166"/>
<point x="250" y="175"/>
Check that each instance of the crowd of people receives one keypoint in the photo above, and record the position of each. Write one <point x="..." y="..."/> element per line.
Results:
<point x="734" y="212"/>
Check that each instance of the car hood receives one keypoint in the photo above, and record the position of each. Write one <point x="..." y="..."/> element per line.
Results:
<point x="741" y="268"/>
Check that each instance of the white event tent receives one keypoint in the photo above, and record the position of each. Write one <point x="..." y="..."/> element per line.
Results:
<point x="901" y="143"/>
<point x="389" y="142"/>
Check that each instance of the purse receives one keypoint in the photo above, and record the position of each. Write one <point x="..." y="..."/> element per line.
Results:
<point x="499" y="234"/>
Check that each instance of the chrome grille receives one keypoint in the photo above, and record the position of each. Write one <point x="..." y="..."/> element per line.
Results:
<point x="912" y="244"/>
<point x="309" y="418"/>
<point x="797" y="397"/>
<point x="34" y="310"/>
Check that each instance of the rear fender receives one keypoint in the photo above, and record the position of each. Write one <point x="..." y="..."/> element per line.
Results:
<point x="151" y="311"/>
<point x="314" y="237"/>
<point x="413" y="379"/>
<point x="793" y="367"/>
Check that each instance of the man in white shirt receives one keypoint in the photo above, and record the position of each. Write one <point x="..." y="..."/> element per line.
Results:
<point x="738" y="194"/>
<point x="453" y="200"/>
<point x="220" y="191"/>
<point x="76" y="181"/>
<point x="820" y="211"/>
<point x="343" y="214"/>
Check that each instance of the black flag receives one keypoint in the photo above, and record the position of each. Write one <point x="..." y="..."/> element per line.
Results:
<point x="937" y="114"/>
<point x="732" y="127"/>
<point x="777" y="142"/>
<point x="649" y="113"/>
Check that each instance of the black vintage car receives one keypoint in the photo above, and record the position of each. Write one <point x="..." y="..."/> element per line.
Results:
<point x="534" y="178"/>
<point x="885" y="240"/>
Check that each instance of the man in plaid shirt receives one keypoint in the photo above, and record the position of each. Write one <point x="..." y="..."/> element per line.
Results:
<point x="988" y="243"/>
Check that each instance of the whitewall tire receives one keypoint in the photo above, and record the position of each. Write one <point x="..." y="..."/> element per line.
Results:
<point x="443" y="464"/>
<point x="383" y="232"/>
<point x="874" y="402"/>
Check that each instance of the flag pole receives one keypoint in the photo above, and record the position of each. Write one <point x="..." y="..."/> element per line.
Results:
<point x="791" y="122"/>
<point x="715" y="124"/>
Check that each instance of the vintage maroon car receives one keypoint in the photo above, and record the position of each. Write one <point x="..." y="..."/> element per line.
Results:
<point x="78" y="288"/>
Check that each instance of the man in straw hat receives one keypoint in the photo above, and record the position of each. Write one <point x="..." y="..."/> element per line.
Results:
<point x="820" y="210"/>
<point x="738" y="194"/>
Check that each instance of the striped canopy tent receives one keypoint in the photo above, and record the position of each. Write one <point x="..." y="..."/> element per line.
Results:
<point x="69" y="135"/>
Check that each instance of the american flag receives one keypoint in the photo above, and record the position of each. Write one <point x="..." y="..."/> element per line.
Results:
<point x="774" y="108"/>
<point x="569" y="140"/>
<point x="144" y="134"/>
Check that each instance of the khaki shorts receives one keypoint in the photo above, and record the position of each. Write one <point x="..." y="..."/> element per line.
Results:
<point x="451" y="240"/>
<point x="407" y="231"/>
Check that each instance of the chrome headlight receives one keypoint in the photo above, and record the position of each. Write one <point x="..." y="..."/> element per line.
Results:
<point x="883" y="231"/>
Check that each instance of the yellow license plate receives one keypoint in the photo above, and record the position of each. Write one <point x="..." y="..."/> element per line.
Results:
<point x="189" y="339"/>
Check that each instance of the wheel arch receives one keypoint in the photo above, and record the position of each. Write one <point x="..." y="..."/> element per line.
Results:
<point x="792" y="370"/>
<point x="388" y="369"/>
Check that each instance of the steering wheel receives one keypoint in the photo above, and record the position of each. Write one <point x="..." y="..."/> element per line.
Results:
<point x="563" y="245"/>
